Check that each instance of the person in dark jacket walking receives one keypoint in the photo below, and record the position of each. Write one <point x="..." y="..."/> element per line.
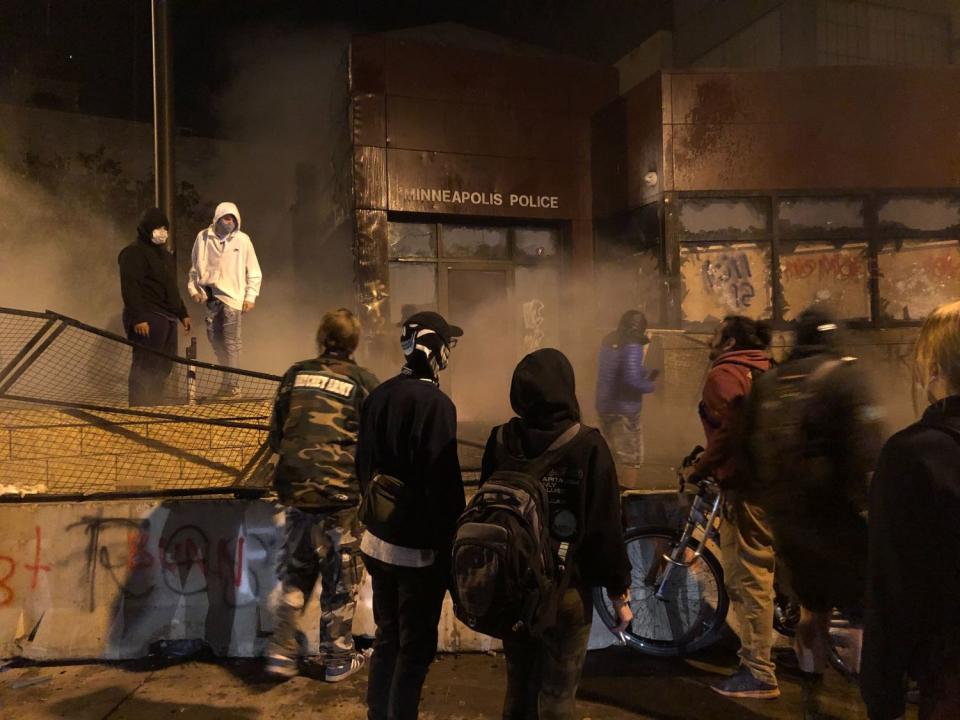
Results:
<point x="814" y="434"/>
<point x="408" y="438"/>
<point x="738" y="352"/>
<point x="313" y="431"/>
<point x="622" y="381"/>
<point x="542" y="675"/>
<point x="914" y="542"/>
<point x="152" y="306"/>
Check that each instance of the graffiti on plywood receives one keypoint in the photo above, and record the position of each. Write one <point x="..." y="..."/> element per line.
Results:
<point x="918" y="277"/>
<point x="727" y="280"/>
<point x="819" y="275"/>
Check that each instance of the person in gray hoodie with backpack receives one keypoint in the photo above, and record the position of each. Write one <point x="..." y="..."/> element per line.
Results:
<point x="584" y="518"/>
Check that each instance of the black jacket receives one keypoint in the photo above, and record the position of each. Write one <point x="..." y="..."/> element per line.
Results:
<point x="543" y="396"/>
<point x="835" y="437"/>
<point x="148" y="282"/>
<point x="913" y="581"/>
<point x="408" y="429"/>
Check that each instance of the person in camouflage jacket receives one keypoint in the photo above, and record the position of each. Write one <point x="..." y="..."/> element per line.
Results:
<point x="313" y="433"/>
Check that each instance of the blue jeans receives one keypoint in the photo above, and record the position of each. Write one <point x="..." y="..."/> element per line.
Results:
<point x="223" y="331"/>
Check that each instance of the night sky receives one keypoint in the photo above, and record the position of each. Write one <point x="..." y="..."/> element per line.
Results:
<point x="104" y="45"/>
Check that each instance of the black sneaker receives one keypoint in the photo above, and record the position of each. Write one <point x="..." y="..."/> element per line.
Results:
<point x="339" y="671"/>
<point x="742" y="684"/>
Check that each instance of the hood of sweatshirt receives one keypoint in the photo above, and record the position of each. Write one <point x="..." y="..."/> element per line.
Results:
<point x="226" y="208"/>
<point x="757" y="359"/>
<point x="543" y="394"/>
<point x="150" y="220"/>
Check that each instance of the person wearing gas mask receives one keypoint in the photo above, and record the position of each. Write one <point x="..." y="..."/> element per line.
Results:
<point x="152" y="306"/>
<point x="225" y="276"/>
<point x="409" y="473"/>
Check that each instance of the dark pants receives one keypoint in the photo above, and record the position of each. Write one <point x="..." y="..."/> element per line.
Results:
<point x="543" y="674"/>
<point x="406" y="608"/>
<point x="149" y="371"/>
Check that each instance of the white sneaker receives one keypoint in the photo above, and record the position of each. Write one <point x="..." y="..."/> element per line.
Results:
<point x="281" y="666"/>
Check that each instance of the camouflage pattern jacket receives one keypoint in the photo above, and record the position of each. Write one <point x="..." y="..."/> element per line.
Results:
<point x="313" y="431"/>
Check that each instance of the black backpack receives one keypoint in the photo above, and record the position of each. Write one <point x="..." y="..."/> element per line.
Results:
<point x="779" y="426"/>
<point x="508" y="574"/>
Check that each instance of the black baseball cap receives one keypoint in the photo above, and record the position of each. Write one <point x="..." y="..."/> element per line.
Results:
<point x="437" y="323"/>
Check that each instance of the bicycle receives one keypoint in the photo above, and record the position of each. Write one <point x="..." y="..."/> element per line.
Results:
<point x="677" y="594"/>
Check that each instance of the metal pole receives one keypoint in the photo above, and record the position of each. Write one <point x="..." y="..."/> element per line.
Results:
<point x="163" y="112"/>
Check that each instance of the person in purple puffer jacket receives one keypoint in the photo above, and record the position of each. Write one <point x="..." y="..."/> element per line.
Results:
<point x="622" y="381"/>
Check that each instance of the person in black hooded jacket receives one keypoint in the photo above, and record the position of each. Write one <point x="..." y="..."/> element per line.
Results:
<point x="914" y="540"/>
<point x="152" y="306"/>
<point x="542" y="675"/>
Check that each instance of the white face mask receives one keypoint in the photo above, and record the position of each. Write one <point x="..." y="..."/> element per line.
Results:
<point x="159" y="236"/>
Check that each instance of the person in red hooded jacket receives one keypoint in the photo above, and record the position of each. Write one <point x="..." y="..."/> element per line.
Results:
<point x="739" y="354"/>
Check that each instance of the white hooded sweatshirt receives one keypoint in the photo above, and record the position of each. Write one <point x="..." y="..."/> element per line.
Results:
<point x="228" y="267"/>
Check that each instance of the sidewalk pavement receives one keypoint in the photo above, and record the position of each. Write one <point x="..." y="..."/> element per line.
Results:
<point x="618" y="684"/>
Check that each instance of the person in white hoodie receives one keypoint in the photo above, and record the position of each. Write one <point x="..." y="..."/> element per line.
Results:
<point x="225" y="275"/>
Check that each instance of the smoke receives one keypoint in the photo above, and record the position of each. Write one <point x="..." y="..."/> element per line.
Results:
<point x="72" y="186"/>
<point x="286" y="114"/>
<point x="57" y="254"/>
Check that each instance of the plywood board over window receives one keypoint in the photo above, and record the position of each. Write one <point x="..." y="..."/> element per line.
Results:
<point x="822" y="274"/>
<point x="916" y="276"/>
<point x="721" y="280"/>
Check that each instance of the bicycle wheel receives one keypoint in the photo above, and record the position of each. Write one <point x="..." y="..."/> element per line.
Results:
<point x="846" y="639"/>
<point x="694" y="604"/>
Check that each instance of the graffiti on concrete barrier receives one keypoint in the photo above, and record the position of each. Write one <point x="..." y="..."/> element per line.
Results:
<point x="124" y="553"/>
<point x="8" y="568"/>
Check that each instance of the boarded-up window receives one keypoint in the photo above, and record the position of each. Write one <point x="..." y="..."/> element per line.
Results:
<point x="819" y="273"/>
<point x="413" y="287"/>
<point x="709" y="220"/>
<point x="917" y="277"/>
<point x="725" y="280"/>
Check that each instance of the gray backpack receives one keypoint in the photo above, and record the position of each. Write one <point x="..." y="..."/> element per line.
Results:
<point x="507" y="574"/>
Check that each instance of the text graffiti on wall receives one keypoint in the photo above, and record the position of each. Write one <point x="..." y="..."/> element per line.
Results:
<point x="727" y="277"/>
<point x="838" y="267"/>
<point x="221" y="563"/>
<point x="533" y="333"/>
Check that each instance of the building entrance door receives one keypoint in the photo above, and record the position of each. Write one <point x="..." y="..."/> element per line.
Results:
<point x="478" y="300"/>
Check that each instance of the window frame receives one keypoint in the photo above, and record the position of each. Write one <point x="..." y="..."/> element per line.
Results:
<point x="875" y="237"/>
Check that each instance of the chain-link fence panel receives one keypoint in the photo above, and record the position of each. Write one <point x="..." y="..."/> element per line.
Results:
<point x="68" y="426"/>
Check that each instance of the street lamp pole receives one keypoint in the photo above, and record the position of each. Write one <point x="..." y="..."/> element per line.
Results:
<point x="163" y="112"/>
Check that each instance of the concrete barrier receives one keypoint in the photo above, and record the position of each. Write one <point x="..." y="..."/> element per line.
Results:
<point x="112" y="579"/>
